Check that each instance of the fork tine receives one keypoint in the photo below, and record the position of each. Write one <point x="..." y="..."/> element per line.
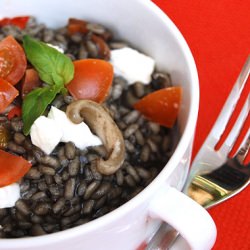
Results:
<point x="235" y="136"/>
<point x="243" y="153"/>
<point x="201" y="163"/>
<point x="242" y="136"/>
<point x="225" y="121"/>
<point x="247" y="158"/>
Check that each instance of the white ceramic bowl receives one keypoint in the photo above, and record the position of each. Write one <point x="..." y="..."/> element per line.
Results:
<point x="146" y="27"/>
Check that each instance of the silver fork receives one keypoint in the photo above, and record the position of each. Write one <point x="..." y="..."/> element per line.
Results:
<point x="215" y="177"/>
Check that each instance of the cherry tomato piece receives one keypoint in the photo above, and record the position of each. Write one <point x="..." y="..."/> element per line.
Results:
<point x="161" y="106"/>
<point x="7" y="94"/>
<point x="92" y="80"/>
<point x="12" y="168"/>
<point x="13" y="61"/>
<point x="30" y="81"/>
<point x="20" y="21"/>
<point x="15" y="111"/>
<point x="6" y="63"/>
<point x="77" y="26"/>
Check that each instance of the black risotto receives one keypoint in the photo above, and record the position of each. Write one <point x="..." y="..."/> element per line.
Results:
<point x="63" y="190"/>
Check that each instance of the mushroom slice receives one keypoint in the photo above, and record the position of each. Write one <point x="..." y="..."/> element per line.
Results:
<point x="101" y="123"/>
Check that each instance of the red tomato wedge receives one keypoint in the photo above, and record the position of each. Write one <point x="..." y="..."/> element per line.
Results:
<point x="92" y="80"/>
<point x="12" y="168"/>
<point x="20" y="21"/>
<point x="77" y="26"/>
<point x="30" y="81"/>
<point x="7" y="94"/>
<point x="12" y="60"/>
<point x="15" y="111"/>
<point x="161" y="106"/>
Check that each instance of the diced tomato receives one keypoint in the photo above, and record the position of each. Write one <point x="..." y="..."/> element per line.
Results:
<point x="15" y="111"/>
<point x="12" y="60"/>
<point x="7" y="94"/>
<point x="92" y="80"/>
<point x="20" y="21"/>
<point x="161" y="106"/>
<point x="77" y="26"/>
<point x="12" y="168"/>
<point x="30" y="81"/>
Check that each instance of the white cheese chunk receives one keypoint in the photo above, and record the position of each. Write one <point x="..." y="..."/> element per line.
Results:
<point x="79" y="134"/>
<point x="132" y="65"/>
<point x="45" y="134"/>
<point x="9" y="195"/>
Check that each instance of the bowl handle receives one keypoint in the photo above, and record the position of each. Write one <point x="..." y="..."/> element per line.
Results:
<point x="186" y="216"/>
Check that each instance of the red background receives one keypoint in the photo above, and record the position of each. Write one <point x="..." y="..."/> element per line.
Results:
<point x="218" y="33"/>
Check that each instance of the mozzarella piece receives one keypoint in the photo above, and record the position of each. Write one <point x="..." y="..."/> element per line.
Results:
<point x="45" y="134"/>
<point x="9" y="195"/>
<point x="132" y="65"/>
<point x="79" y="134"/>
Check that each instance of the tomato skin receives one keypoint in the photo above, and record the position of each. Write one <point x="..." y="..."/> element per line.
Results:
<point x="13" y="61"/>
<point x="6" y="63"/>
<point x="20" y="21"/>
<point x="12" y="168"/>
<point x="92" y="80"/>
<point x="30" y="81"/>
<point x="15" y="111"/>
<point x="7" y="94"/>
<point x="77" y="26"/>
<point x="161" y="106"/>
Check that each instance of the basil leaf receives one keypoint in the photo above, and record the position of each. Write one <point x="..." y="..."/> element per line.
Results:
<point x="35" y="103"/>
<point x="53" y="67"/>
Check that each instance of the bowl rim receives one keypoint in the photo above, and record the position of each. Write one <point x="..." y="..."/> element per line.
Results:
<point x="182" y="146"/>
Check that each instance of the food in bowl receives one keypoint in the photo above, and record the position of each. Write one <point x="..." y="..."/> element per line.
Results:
<point x="67" y="173"/>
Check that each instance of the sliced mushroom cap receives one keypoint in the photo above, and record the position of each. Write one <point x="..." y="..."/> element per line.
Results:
<point x="101" y="123"/>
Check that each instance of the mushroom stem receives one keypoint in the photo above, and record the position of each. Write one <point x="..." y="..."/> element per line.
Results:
<point x="101" y="123"/>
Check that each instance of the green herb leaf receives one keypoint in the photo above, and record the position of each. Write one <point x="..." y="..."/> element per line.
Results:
<point x="53" y="67"/>
<point x="35" y="103"/>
